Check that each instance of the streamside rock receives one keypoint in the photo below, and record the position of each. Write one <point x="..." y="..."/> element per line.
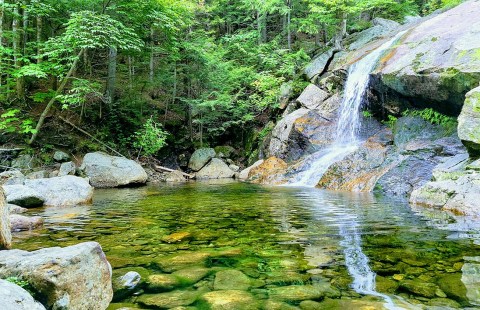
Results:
<point x="11" y="177"/>
<point x="67" y="168"/>
<point x="23" y="196"/>
<point x="20" y="222"/>
<point x="312" y="97"/>
<point x="319" y="64"/>
<point x="469" y="122"/>
<point x="200" y="158"/>
<point x="298" y="293"/>
<point x="271" y="171"/>
<point x="215" y="169"/>
<point x="13" y="297"/>
<point x="245" y="172"/>
<point x="125" y="285"/>
<point x="61" y="157"/>
<point x="106" y="171"/>
<point x="75" y="277"/>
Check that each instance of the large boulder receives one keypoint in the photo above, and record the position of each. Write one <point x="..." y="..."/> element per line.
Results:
<point x="13" y="297"/>
<point x="216" y="169"/>
<point x="437" y="62"/>
<point x="319" y="64"/>
<point x="243" y="175"/>
<point x="200" y="158"/>
<point x="270" y="171"/>
<point x="469" y="122"/>
<point x="312" y="97"/>
<point x="23" y="196"/>
<point x="104" y="170"/>
<point x="381" y="28"/>
<point x="75" y="277"/>
<point x="299" y="133"/>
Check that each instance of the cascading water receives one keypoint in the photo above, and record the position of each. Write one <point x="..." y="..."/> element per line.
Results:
<point x="348" y="125"/>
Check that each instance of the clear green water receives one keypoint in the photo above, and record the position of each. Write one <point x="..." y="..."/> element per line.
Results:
<point x="291" y="245"/>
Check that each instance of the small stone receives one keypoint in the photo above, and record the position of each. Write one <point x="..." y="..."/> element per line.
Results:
<point x="162" y="282"/>
<point x="189" y="276"/>
<point x="177" y="237"/>
<point x="61" y="157"/>
<point x="37" y="175"/>
<point x="398" y="277"/>
<point x="67" y="168"/>
<point x="20" y="222"/>
<point x="125" y="285"/>
<point x="230" y="300"/>
<point x="168" y="300"/>
<point x="303" y="292"/>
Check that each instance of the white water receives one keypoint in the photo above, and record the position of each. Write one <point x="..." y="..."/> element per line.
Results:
<point x="349" y="122"/>
<point x="346" y="142"/>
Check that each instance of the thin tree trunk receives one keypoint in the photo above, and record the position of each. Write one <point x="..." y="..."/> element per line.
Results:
<point x="2" y="9"/>
<point x="52" y="101"/>
<point x="5" y="233"/>
<point x="174" y="94"/>
<point x="289" y="22"/>
<point x="130" y="72"/>
<point x="25" y="29"/>
<point x="16" y="51"/>
<point x="39" y="37"/>
<point x="112" y="74"/>
<point x="261" y="27"/>
<point x="341" y="32"/>
<point x="152" y="59"/>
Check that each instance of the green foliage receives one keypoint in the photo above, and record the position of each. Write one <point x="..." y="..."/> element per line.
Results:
<point x="150" y="139"/>
<point x="391" y="121"/>
<point x="10" y="122"/>
<point x="23" y="284"/>
<point x="434" y="117"/>
<point x="367" y="114"/>
<point x="81" y="91"/>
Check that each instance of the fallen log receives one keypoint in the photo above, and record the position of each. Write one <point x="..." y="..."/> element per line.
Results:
<point x="160" y="169"/>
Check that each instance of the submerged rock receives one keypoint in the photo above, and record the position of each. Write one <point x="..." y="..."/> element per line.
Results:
<point x="200" y="158"/>
<point x="303" y="292"/>
<point x="75" y="277"/>
<point x="231" y="280"/>
<point x="13" y="297"/>
<point x="125" y="285"/>
<point x="104" y="170"/>
<point x="168" y="300"/>
<point x="230" y="300"/>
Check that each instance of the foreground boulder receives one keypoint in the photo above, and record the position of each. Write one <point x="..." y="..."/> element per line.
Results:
<point x="200" y="158"/>
<point x="13" y="297"/>
<point x="270" y="171"/>
<point x="75" y="277"/>
<point x="469" y="122"/>
<point x="20" y="222"/>
<point x="216" y="169"/>
<point x="106" y="171"/>
<point x="23" y="196"/>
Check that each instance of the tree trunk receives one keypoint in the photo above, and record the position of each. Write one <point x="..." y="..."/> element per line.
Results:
<point x="2" y="10"/>
<point x="289" y="22"/>
<point x="39" y="37"/>
<point x="16" y="52"/>
<point x="112" y="74"/>
<point x="262" y="27"/>
<point x="5" y="233"/>
<point x="341" y="32"/>
<point x="152" y="59"/>
<point x="52" y="101"/>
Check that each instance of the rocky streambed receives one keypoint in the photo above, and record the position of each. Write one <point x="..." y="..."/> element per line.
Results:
<point x="230" y="245"/>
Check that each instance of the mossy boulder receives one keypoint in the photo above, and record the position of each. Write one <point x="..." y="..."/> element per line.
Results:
<point x="469" y="122"/>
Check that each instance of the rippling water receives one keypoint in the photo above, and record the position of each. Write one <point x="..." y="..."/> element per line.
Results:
<point x="368" y="251"/>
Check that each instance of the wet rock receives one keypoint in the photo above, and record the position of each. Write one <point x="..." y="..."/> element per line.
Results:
<point x="20" y="223"/>
<point x="303" y="292"/>
<point x="310" y="305"/>
<point x="271" y="171"/>
<point x="23" y="196"/>
<point x="452" y="285"/>
<point x="177" y="237"/>
<point x="230" y="300"/>
<point x="234" y="168"/>
<point x="471" y="279"/>
<point x="245" y="172"/>
<point x="419" y="288"/>
<point x="168" y="300"/>
<point x="469" y="122"/>
<point x="451" y="168"/>
<point x="175" y="177"/>
<point x="347" y="304"/>
<point x="13" y="297"/>
<point x="385" y="285"/>
<point x="312" y="97"/>
<point x="162" y="282"/>
<point x="444" y="303"/>
<point x="67" y="168"/>
<point x="200" y="158"/>
<point x="75" y="277"/>
<point x="215" y="169"/>
<point x="61" y="157"/>
<point x="105" y="171"/>
<point x="125" y="285"/>
<point x="231" y="280"/>
<point x="11" y="177"/>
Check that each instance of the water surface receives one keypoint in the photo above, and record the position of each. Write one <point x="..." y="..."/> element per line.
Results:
<point x="295" y="246"/>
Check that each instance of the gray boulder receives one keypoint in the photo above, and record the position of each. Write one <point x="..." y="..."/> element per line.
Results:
<point x="312" y="97"/>
<point x="61" y="157"/>
<point x="75" y="277"/>
<point x="23" y="162"/>
<point x="200" y="158"/>
<point x="381" y="28"/>
<point x="469" y="122"/>
<point x="23" y="196"/>
<point x="11" y="177"/>
<point x="105" y="171"/>
<point x="37" y="175"/>
<point x="319" y="64"/>
<point x="20" y="222"/>
<point x="14" y="209"/>
<point x="61" y="191"/>
<point x="216" y="169"/>
<point x="244" y="173"/>
<point x="67" y="168"/>
<point x="13" y="297"/>
<point x="175" y="177"/>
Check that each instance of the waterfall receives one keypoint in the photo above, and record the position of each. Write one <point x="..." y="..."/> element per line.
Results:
<point x="349" y="122"/>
